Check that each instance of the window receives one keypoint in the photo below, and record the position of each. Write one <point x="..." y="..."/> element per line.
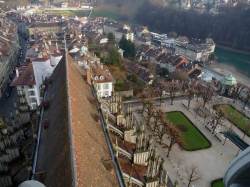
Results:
<point x="31" y="93"/>
<point x="33" y="100"/>
<point x="106" y="86"/>
<point x="106" y="94"/>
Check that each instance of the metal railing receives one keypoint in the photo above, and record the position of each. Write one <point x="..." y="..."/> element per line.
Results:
<point x="35" y="155"/>
<point x="109" y="143"/>
<point x="70" y="131"/>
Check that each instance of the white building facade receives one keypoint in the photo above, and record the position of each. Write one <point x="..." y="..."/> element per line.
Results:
<point x="30" y="78"/>
<point x="100" y="77"/>
<point x="104" y="89"/>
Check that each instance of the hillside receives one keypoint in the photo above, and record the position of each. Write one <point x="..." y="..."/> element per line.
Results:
<point x="117" y="9"/>
<point x="14" y="3"/>
<point x="126" y="9"/>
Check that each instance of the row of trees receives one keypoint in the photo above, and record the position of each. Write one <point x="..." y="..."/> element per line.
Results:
<point x="156" y="122"/>
<point x="230" y="27"/>
<point x="189" y="89"/>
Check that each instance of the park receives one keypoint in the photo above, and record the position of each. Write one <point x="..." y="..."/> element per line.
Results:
<point x="202" y="148"/>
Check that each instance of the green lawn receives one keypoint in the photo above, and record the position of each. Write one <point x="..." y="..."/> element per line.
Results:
<point x="217" y="183"/>
<point x="239" y="119"/>
<point x="192" y="138"/>
<point x="79" y="13"/>
<point x="106" y="13"/>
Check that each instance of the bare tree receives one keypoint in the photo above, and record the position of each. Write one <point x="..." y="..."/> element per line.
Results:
<point x="190" y="94"/>
<point x="218" y="117"/>
<point x="184" y="85"/>
<point x="158" y="118"/>
<point x="192" y="90"/>
<point x="159" y="91"/>
<point x="161" y="131"/>
<point x="148" y="92"/>
<point x="246" y="99"/>
<point x="148" y="111"/>
<point x="174" y="137"/>
<point x="192" y="175"/>
<point x="206" y="94"/>
<point x="235" y="92"/>
<point x="172" y="87"/>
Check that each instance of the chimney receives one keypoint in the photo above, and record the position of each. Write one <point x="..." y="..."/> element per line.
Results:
<point x="17" y="73"/>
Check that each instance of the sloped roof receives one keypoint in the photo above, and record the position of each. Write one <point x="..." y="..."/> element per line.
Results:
<point x="91" y="150"/>
<point x="101" y="73"/>
<point x="54" y="158"/>
<point x="26" y="76"/>
<point x="82" y="156"/>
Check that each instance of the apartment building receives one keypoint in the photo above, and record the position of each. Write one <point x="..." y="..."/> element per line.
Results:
<point x="25" y="84"/>
<point x="195" y="51"/>
<point x="9" y="50"/>
<point x="29" y="81"/>
<point x="101" y="78"/>
<point x="52" y="27"/>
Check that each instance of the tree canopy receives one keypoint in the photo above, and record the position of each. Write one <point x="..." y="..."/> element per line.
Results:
<point x="229" y="28"/>
<point x="128" y="47"/>
<point x="112" y="57"/>
<point x="111" y="37"/>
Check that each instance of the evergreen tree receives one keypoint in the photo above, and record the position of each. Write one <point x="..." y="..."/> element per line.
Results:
<point x="128" y="47"/>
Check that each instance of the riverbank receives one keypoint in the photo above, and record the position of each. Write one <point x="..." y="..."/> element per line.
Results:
<point x="232" y="49"/>
<point x="225" y="69"/>
<point x="236" y="62"/>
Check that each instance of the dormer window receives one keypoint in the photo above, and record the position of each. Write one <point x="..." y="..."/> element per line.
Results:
<point x="96" y="78"/>
<point x="101" y="77"/>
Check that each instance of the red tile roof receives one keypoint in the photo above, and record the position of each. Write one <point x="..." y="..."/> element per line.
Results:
<point x="26" y="76"/>
<point x="89" y="142"/>
<point x="100" y="70"/>
<point x="136" y="171"/>
<point x="127" y="146"/>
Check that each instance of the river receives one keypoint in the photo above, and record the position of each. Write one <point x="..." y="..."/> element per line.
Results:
<point x="238" y="61"/>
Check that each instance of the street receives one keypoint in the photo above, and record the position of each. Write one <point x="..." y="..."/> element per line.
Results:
<point x="7" y="102"/>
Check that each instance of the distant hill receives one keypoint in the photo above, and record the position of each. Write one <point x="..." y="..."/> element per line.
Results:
<point x="230" y="28"/>
<point x="118" y="9"/>
<point x="14" y="3"/>
<point x="127" y="9"/>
